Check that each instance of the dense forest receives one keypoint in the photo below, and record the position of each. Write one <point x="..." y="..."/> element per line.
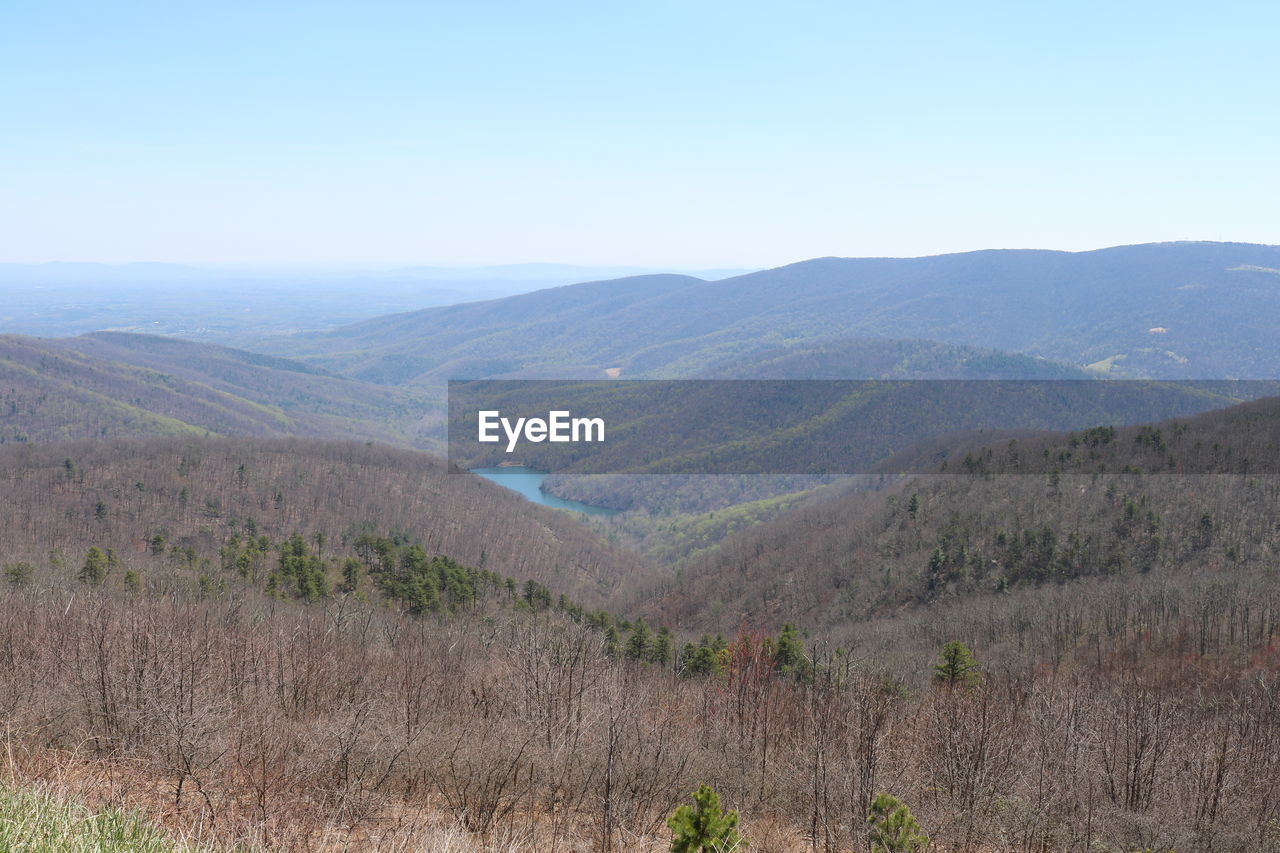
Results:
<point x="1069" y="644"/>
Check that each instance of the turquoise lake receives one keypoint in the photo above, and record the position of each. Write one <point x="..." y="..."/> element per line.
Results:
<point x="528" y="482"/>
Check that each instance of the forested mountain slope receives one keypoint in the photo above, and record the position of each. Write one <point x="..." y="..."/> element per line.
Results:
<point x="1126" y="701"/>
<point x="1198" y="494"/>
<point x="111" y="385"/>
<point x="566" y="330"/>
<point x="1169" y="310"/>
<point x="1135" y="709"/>
<point x="197" y="493"/>
<point x="887" y="358"/>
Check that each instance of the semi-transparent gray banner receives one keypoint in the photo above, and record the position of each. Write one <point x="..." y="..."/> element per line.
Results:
<point x="829" y="427"/>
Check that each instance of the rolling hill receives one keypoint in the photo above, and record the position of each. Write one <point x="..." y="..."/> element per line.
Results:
<point x="1194" y="495"/>
<point x="111" y="385"/>
<point x="1169" y="310"/>
<point x="197" y="492"/>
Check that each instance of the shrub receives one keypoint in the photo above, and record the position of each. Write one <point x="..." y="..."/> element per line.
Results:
<point x="893" y="829"/>
<point x="703" y="827"/>
<point x="18" y="574"/>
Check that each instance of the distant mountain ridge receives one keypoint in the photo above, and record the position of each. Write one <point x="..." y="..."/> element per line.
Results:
<point x="242" y="305"/>
<point x="152" y="271"/>
<point x="1191" y="310"/>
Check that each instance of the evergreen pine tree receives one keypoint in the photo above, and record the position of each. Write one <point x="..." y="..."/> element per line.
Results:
<point x="893" y="829"/>
<point x="660" y="648"/>
<point x="788" y="654"/>
<point x="350" y="574"/>
<point x="957" y="666"/>
<point x="638" y="644"/>
<point x="94" y="570"/>
<point x="18" y="574"/>
<point x="704" y="660"/>
<point x="703" y="827"/>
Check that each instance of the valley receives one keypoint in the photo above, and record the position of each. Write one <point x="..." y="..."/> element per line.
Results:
<point x="374" y="642"/>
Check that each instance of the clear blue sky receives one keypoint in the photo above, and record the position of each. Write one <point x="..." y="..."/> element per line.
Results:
<point x="687" y="133"/>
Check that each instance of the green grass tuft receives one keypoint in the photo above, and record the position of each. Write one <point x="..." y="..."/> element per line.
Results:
<point x="35" y="820"/>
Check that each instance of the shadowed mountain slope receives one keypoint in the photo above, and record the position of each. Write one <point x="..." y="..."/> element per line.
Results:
<point x="1192" y="494"/>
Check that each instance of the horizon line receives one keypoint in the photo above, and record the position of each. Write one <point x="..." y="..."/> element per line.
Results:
<point x="385" y="266"/>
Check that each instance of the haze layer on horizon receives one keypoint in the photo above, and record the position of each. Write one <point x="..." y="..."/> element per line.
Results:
<point x="656" y="135"/>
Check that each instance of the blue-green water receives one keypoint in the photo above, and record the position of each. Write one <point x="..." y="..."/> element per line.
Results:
<point x="528" y="482"/>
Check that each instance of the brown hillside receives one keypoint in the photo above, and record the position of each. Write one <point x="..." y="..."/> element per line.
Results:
<point x="1194" y="494"/>
<point x="120" y="494"/>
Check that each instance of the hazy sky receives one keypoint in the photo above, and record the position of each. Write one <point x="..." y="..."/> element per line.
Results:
<point x="689" y="133"/>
